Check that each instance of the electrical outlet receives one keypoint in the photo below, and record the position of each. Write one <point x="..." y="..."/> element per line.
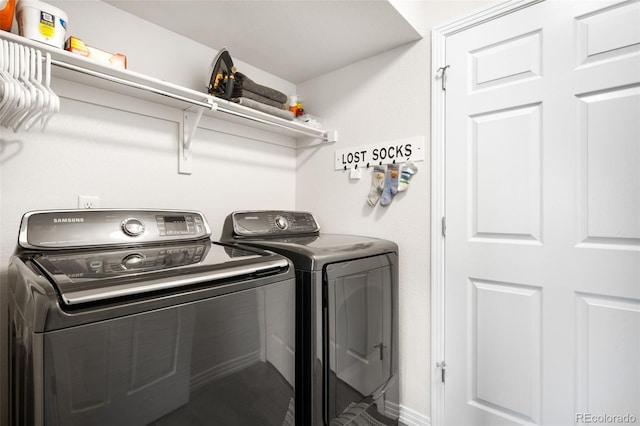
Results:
<point x="88" y="201"/>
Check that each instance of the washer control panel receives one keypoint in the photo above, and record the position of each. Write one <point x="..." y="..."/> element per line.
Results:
<point x="271" y="223"/>
<point x="59" y="229"/>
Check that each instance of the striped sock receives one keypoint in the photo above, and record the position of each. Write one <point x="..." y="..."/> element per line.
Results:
<point x="408" y="170"/>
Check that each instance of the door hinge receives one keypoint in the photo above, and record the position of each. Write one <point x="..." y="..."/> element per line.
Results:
<point x="443" y="76"/>
<point x="443" y="369"/>
<point x="444" y="226"/>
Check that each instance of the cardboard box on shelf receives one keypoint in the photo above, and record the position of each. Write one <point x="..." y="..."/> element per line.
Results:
<point x="76" y="45"/>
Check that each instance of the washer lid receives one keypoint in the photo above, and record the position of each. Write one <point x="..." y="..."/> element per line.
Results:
<point x="90" y="276"/>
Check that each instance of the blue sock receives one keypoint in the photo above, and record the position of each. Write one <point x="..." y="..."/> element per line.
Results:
<point x="377" y="185"/>
<point x="390" y="185"/>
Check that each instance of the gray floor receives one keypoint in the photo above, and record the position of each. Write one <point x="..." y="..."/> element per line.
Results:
<point x="257" y="395"/>
<point x="347" y="395"/>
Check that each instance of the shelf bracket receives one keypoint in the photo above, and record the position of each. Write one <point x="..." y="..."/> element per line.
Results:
<point x="190" y="119"/>
<point x="329" y="136"/>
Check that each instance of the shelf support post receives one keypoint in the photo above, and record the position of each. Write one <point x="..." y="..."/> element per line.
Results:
<point x="190" y="119"/>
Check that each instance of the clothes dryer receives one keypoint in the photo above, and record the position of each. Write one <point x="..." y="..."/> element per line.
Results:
<point x="346" y="315"/>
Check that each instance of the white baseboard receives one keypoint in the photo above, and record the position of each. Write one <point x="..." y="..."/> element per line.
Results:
<point x="411" y="417"/>
<point x="391" y="410"/>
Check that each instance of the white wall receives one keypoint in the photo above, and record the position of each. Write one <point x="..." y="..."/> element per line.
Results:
<point x="131" y="160"/>
<point x="150" y="49"/>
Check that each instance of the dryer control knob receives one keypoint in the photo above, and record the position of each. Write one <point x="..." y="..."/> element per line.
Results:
<point x="282" y="223"/>
<point x="132" y="227"/>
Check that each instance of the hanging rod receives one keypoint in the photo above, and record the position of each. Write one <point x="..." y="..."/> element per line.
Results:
<point x="205" y="104"/>
<point x="323" y="134"/>
<point x="211" y="105"/>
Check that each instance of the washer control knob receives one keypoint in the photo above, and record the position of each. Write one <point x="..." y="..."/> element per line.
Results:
<point x="132" y="227"/>
<point x="282" y="223"/>
<point x="132" y="261"/>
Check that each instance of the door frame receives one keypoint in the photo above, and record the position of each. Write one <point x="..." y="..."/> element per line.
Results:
<point x="438" y="195"/>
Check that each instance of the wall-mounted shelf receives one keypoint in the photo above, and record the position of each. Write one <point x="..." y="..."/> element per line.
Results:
<point x="76" y="68"/>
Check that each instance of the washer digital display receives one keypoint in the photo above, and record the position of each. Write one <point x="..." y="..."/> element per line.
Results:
<point x="177" y="224"/>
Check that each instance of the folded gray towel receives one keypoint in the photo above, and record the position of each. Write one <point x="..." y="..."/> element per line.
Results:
<point x="282" y="113"/>
<point x="242" y="82"/>
<point x="242" y="93"/>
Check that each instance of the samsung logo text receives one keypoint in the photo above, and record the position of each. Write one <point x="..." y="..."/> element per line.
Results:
<point x="68" y="220"/>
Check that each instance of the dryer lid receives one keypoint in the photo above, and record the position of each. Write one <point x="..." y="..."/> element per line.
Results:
<point x="315" y="251"/>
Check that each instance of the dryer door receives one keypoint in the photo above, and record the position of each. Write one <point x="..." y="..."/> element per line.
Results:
<point x="359" y="331"/>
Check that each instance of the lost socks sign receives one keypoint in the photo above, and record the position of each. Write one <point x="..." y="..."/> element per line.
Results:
<point x="391" y="152"/>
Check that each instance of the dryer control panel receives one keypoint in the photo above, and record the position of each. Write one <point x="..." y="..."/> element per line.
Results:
<point x="270" y="223"/>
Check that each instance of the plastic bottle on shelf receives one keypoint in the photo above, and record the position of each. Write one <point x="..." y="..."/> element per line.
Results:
<point x="295" y="105"/>
<point x="7" y="11"/>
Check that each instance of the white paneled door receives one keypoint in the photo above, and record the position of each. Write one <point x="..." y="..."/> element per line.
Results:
<point x="542" y="247"/>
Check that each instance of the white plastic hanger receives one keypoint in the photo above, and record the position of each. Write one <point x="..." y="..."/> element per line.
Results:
<point x="38" y="91"/>
<point x="29" y="90"/>
<point x="54" y="99"/>
<point x="10" y="97"/>
<point x="22" y="94"/>
<point x="6" y="93"/>
<point x="26" y="97"/>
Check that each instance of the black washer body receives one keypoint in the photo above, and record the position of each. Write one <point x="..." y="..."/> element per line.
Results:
<point x="162" y="327"/>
